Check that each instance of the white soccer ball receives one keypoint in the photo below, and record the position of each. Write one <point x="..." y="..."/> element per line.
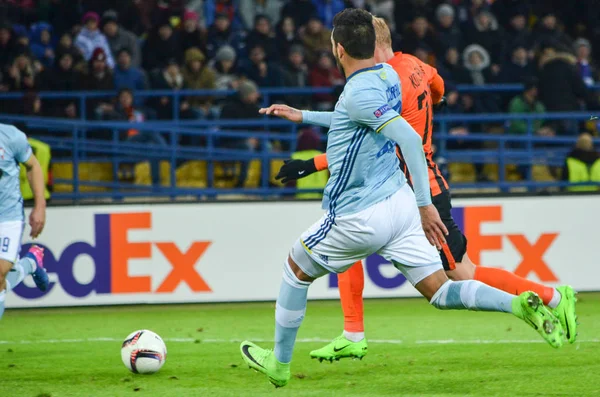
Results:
<point x="143" y="352"/>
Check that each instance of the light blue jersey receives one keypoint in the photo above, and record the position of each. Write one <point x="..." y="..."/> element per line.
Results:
<point x="363" y="163"/>
<point x="14" y="149"/>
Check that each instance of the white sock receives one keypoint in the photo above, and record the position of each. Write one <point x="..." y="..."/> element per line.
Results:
<point x="354" y="336"/>
<point x="2" y="297"/>
<point x="556" y="297"/>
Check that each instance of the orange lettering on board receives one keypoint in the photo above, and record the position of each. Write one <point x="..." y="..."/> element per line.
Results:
<point x="533" y="256"/>
<point x="122" y="250"/>
<point x="183" y="267"/>
<point x="474" y="217"/>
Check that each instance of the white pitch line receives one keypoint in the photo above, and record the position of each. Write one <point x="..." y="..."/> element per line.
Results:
<point x="301" y="340"/>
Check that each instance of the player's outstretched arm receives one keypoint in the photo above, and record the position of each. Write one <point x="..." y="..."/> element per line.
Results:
<point x="398" y="130"/>
<point x="322" y="119"/>
<point x="35" y="176"/>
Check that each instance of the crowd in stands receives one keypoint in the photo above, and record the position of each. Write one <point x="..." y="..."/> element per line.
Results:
<point x="127" y="46"/>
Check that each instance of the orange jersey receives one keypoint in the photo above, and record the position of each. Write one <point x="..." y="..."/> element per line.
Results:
<point x="422" y="86"/>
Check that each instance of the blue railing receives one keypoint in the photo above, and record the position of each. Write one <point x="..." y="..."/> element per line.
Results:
<point x="80" y="139"/>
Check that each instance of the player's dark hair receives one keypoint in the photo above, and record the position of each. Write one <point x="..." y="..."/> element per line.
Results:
<point x="353" y="29"/>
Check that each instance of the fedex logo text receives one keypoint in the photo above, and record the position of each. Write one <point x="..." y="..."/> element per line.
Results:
<point x="111" y="253"/>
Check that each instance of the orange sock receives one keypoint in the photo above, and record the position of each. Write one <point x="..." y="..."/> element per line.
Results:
<point x="351" y="284"/>
<point x="511" y="283"/>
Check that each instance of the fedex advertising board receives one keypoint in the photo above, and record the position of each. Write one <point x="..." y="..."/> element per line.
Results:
<point x="235" y="251"/>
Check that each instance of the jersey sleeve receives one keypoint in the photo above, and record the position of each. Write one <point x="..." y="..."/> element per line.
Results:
<point x="436" y="83"/>
<point x="20" y="147"/>
<point x="369" y="107"/>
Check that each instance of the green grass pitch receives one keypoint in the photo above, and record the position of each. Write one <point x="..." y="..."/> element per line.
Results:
<point x="415" y="350"/>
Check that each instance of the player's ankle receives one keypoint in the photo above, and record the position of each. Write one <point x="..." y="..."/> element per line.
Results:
<point x="354" y="336"/>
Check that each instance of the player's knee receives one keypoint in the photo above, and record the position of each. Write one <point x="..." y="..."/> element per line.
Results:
<point x="463" y="271"/>
<point x="298" y="272"/>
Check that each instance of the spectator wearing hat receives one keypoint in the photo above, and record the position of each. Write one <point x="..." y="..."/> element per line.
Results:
<point x="197" y="75"/>
<point x="260" y="70"/>
<point x="518" y="69"/>
<point x="128" y="76"/>
<point x="243" y="106"/>
<point x="587" y="71"/>
<point x="98" y="77"/>
<point x="295" y="75"/>
<point x="316" y="38"/>
<point x="263" y="35"/>
<point x="301" y="11"/>
<point x="91" y="38"/>
<point x="191" y="34"/>
<point x="220" y="33"/>
<point x="163" y="43"/>
<point x="249" y="9"/>
<point x="119" y="38"/>
<point x="221" y="8"/>
<point x="325" y="74"/>
<point x="286" y="37"/>
<point x="547" y="30"/>
<point x="477" y="64"/>
<point x="448" y="33"/>
<point x="41" y="43"/>
<point x="224" y="65"/>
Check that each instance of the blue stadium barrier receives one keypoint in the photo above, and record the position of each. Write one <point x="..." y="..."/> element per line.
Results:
<point x="72" y="136"/>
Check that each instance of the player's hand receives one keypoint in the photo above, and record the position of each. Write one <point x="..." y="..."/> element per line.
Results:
<point x="292" y="170"/>
<point x="434" y="228"/>
<point x="440" y="105"/>
<point x="37" y="220"/>
<point x="283" y="111"/>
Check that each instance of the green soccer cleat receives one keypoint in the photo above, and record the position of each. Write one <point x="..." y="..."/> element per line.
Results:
<point x="565" y="311"/>
<point x="263" y="360"/>
<point x="529" y="307"/>
<point x="339" y="348"/>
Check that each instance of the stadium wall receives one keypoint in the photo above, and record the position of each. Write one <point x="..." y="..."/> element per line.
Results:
<point x="235" y="251"/>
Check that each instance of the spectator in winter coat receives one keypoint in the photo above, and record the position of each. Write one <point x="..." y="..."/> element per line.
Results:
<point x="169" y="78"/>
<point x="128" y="76"/>
<point x="162" y="44"/>
<point x="295" y="75"/>
<point x="118" y="38"/>
<point x="286" y="37"/>
<point x="587" y="71"/>
<point x="198" y="76"/>
<point x="249" y="9"/>
<point x="561" y="87"/>
<point x="420" y="35"/>
<point x="526" y="103"/>
<point x="41" y="43"/>
<point x="519" y="69"/>
<point x="91" y="38"/>
<point x="486" y="32"/>
<point x="191" y="34"/>
<point x="220" y="34"/>
<point x="224" y="65"/>
<point x="61" y="77"/>
<point x="325" y="74"/>
<point x="300" y="10"/>
<point x="21" y="75"/>
<point x="98" y="78"/>
<point x="477" y="63"/>
<point x="547" y="30"/>
<point x="448" y="33"/>
<point x="326" y="10"/>
<point x="518" y="33"/>
<point x="262" y="72"/>
<point x="65" y="46"/>
<point x="262" y="35"/>
<point x="8" y="45"/>
<point x="316" y="38"/>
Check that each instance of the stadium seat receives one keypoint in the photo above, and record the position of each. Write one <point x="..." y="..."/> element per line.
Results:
<point x="461" y="173"/>
<point x="88" y="172"/>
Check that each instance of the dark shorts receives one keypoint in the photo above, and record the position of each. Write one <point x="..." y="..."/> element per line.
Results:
<point x="456" y="242"/>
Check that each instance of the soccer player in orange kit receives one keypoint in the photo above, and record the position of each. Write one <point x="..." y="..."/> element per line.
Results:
<point x="422" y="87"/>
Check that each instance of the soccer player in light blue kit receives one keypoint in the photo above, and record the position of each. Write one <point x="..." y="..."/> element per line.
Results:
<point x="15" y="150"/>
<point x="371" y="208"/>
